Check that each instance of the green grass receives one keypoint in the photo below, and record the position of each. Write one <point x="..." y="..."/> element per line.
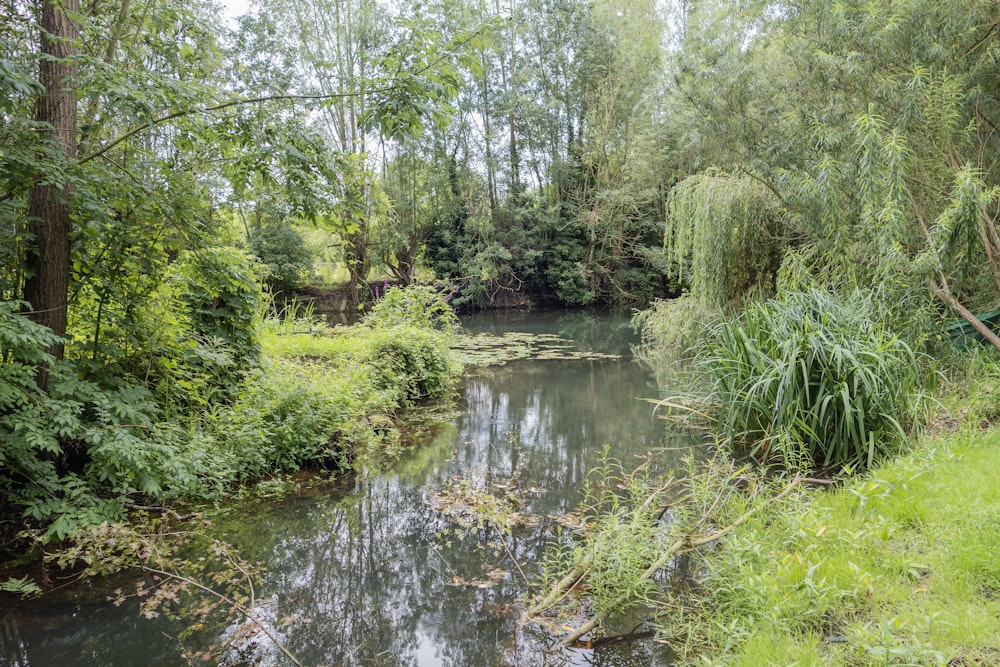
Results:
<point x="814" y="374"/>
<point x="899" y="567"/>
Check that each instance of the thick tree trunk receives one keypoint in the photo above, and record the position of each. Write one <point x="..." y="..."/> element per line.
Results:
<point x="47" y="286"/>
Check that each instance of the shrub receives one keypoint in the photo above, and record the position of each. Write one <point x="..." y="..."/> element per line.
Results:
<point x="815" y="372"/>
<point x="223" y="298"/>
<point x="71" y="456"/>
<point x="414" y="306"/>
<point x="727" y="229"/>
<point x="413" y="363"/>
<point x="293" y="415"/>
<point x="289" y="261"/>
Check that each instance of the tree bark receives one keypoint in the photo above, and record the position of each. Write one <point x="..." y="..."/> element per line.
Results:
<point x="966" y="315"/>
<point x="47" y="286"/>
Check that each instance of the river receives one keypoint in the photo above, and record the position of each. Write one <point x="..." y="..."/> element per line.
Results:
<point x="369" y="572"/>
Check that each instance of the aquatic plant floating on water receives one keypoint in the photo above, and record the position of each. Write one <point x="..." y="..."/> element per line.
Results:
<point x="485" y="349"/>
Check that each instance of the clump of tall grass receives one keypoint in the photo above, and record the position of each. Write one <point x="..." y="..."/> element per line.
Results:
<point x="670" y="335"/>
<point x="813" y="375"/>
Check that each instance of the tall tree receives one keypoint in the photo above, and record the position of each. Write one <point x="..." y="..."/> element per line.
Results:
<point x="50" y="200"/>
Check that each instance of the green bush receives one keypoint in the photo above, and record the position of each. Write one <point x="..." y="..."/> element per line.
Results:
<point x="414" y="306"/>
<point x="223" y="299"/>
<point x="289" y="261"/>
<point x="83" y="451"/>
<point x="293" y="415"/>
<point x="812" y="374"/>
<point x="412" y="363"/>
<point x="72" y="455"/>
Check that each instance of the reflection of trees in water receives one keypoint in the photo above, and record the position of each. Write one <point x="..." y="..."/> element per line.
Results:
<point x="367" y="577"/>
<point x="363" y="565"/>
<point x="372" y="579"/>
<point x="558" y="422"/>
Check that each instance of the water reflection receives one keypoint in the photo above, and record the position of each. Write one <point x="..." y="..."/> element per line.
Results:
<point x="367" y="575"/>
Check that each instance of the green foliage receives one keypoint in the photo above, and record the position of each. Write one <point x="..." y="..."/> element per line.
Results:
<point x="22" y="586"/>
<point x="288" y="260"/>
<point x="622" y="534"/>
<point x="882" y="563"/>
<point x="410" y="362"/>
<point x="671" y="333"/>
<point x="725" y="229"/>
<point x="891" y="568"/>
<point x="815" y="372"/>
<point x="74" y="454"/>
<point x="422" y="306"/>
<point x="223" y="299"/>
<point x="294" y="415"/>
<point x="81" y="453"/>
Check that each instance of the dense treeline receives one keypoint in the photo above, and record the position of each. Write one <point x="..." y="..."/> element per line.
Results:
<point x="159" y="164"/>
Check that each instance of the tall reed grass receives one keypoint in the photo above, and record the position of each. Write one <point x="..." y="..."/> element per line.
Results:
<point x="813" y="375"/>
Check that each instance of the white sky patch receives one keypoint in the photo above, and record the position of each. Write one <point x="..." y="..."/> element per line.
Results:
<point x="233" y="9"/>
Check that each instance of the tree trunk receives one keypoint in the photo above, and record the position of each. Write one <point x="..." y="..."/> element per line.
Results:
<point x="358" y="265"/>
<point x="966" y="315"/>
<point x="47" y="285"/>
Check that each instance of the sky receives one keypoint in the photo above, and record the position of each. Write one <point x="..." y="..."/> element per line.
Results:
<point x="234" y="8"/>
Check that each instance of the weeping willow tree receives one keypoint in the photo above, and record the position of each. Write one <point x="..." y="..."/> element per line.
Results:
<point x="722" y="234"/>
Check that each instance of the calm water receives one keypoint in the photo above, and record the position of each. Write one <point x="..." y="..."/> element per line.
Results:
<point x="361" y="574"/>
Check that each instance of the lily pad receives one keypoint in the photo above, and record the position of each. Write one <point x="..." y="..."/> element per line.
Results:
<point x="486" y="349"/>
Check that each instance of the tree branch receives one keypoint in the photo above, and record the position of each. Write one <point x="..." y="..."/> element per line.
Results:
<point x="265" y="98"/>
<point x="965" y="314"/>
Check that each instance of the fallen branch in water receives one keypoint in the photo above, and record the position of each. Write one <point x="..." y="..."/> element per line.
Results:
<point x="683" y="545"/>
<point x="563" y="587"/>
<point x="578" y="573"/>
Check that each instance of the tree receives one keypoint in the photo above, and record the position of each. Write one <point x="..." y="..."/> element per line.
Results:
<point x="46" y="288"/>
<point x="874" y="131"/>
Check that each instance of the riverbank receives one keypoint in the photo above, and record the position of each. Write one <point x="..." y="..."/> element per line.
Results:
<point x="313" y="399"/>
<point x="898" y="566"/>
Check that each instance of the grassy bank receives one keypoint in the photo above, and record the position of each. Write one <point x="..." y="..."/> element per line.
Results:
<point x="324" y="394"/>
<point x="213" y="416"/>
<point x="898" y="567"/>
